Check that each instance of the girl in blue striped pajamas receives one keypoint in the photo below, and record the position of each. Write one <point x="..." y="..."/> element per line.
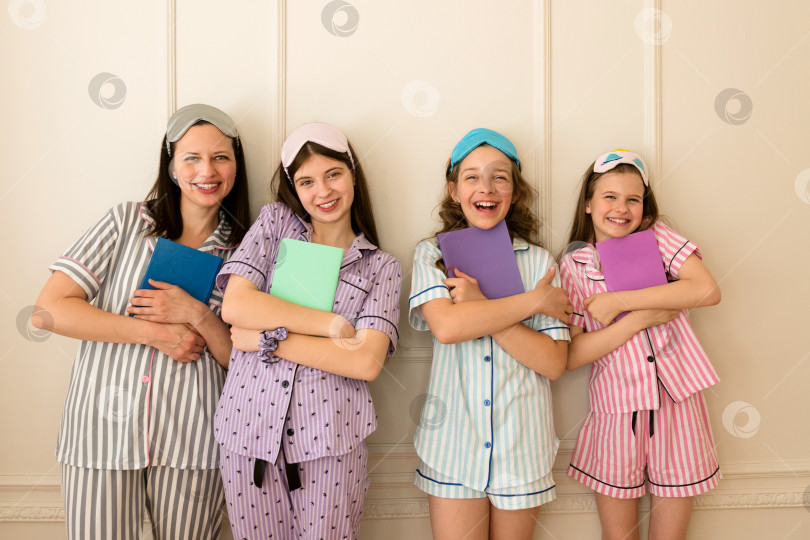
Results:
<point x="486" y="440"/>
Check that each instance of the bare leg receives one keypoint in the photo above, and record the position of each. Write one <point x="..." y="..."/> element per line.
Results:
<point x="669" y="517"/>
<point x="459" y="519"/>
<point x="619" y="517"/>
<point x="512" y="524"/>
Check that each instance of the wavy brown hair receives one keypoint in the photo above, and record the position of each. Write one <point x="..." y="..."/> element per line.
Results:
<point x="362" y="215"/>
<point x="163" y="200"/>
<point x="582" y="228"/>
<point x="520" y="220"/>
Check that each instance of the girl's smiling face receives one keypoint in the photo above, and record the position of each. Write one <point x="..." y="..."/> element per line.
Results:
<point x="325" y="187"/>
<point x="617" y="205"/>
<point x="485" y="187"/>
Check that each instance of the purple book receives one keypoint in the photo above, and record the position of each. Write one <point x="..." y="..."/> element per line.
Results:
<point x="486" y="255"/>
<point x="631" y="263"/>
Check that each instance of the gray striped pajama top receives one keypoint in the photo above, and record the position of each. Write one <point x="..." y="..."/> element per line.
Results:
<point x="311" y="412"/>
<point x="129" y="405"/>
<point x="487" y="420"/>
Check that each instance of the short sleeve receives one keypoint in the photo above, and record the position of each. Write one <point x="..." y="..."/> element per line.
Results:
<point x="381" y="307"/>
<point x="252" y="259"/>
<point x="569" y="272"/>
<point x="427" y="282"/>
<point x="87" y="261"/>
<point x="553" y="328"/>
<point x="674" y="248"/>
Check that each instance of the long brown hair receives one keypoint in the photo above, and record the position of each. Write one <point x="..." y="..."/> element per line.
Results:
<point x="582" y="228"/>
<point x="163" y="200"/>
<point x="362" y="215"/>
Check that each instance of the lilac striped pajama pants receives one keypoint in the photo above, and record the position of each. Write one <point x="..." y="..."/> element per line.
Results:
<point x="329" y="503"/>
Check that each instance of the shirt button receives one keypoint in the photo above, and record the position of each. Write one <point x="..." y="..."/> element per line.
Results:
<point x="291" y="432"/>
<point x="145" y="379"/>
<point x="651" y="358"/>
<point x="487" y="358"/>
<point x="285" y="384"/>
<point x="487" y="403"/>
<point x="487" y="444"/>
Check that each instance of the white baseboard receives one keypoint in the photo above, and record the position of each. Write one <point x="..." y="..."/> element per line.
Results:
<point x="392" y="494"/>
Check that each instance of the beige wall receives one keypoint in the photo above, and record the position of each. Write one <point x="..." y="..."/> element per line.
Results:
<point x="565" y="80"/>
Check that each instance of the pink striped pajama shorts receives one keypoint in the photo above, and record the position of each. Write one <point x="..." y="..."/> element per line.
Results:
<point x="671" y="448"/>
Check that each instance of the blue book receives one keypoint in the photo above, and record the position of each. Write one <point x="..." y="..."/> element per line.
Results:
<point x="191" y="270"/>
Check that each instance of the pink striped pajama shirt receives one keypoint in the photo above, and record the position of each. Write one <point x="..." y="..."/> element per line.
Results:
<point x="648" y="418"/>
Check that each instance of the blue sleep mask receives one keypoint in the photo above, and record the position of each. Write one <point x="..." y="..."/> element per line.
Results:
<point x="476" y="138"/>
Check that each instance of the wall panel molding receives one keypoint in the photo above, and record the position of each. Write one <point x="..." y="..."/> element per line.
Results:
<point x="171" y="57"/>
<point x="392" y="494"/>
<point x="653" y="101"/>
<point x="279" y="71"/>
<point x="542" y="116"/>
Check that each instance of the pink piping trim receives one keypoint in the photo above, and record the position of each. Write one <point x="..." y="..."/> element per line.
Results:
<point x="148" y="401"/>
<point x="83" y="266"/>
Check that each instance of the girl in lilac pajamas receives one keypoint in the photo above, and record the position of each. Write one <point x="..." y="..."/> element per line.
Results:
<point x="296" y="410"/>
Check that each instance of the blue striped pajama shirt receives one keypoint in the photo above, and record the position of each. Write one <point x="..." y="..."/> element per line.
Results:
<point x="487" y="423"/>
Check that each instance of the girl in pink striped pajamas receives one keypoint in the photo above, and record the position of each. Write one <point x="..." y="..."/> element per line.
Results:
<point x="648" y="424"/>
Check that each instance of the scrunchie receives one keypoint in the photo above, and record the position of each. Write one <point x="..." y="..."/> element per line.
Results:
<point x="268" y="343"/>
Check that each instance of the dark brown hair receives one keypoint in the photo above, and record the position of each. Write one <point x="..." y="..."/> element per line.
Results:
<point x="582" y="228"/>
<point x="362" y="215"/>
<point x="163" y="200"/>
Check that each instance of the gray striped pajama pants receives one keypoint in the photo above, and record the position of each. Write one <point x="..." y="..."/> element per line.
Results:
<point x="328" y="505"/>
<point x="109" y="504"/>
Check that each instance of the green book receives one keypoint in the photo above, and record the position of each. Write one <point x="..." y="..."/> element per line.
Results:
<point x="306" y="274"/>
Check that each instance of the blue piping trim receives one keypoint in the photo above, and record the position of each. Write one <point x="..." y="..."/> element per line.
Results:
<point x="426" y="290"/>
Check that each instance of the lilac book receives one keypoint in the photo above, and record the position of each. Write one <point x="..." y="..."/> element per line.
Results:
<point x="631" y="263"/>
<point x="486" y="255"/>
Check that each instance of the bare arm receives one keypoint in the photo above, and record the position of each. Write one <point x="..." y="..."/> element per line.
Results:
<point x="694" y="288"/>
<point x="460" y="320"/>
<point x="171" y="304"/>
<point x="588" y="347"/>
<point x="69" y="314"/>
<point x="535" y="350"/>
<point x="360" y="357"/>
<point x="246" y="306"/>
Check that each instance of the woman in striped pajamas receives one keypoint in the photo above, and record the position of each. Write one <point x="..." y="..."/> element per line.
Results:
<point x="296" y="409"/>
<point x="136" y="432"/>
<point x="486" y="439"/>
<point x="648" y="421"/>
